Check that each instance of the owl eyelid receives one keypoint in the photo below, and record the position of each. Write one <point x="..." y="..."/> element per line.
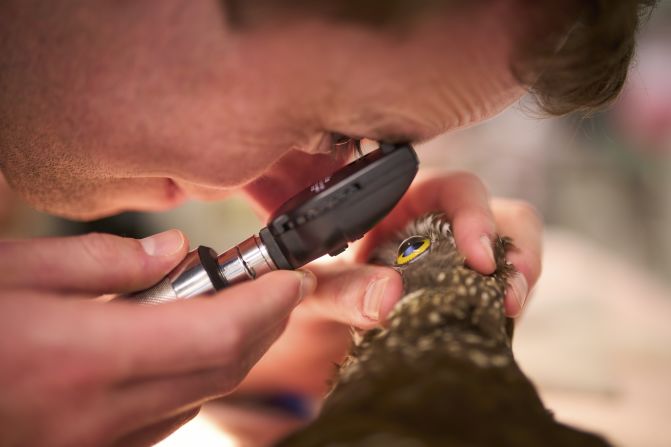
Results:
<point x="402" y="258"/>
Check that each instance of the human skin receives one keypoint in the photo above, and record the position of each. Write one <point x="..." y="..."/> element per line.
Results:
<point x="110" y="106"/>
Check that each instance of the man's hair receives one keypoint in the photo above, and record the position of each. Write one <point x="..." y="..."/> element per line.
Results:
<point x="585" y="69"/>
<point x="574" y="56"/>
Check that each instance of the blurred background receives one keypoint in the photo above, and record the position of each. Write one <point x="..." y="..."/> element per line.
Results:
<point x="596" y="337"/>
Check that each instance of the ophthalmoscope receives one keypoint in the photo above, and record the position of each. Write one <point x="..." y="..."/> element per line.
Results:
<point x="321" y="219"/>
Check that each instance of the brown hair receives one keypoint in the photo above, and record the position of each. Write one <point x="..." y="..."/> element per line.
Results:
<point x="576" y="59"/>
<point x="584" y="65"/>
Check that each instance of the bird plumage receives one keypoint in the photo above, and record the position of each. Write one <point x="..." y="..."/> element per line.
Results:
<point x="441" y="372"/>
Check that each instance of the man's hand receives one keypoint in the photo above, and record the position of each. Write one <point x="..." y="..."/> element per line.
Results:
<point x="475" y="221"/>
<point x="78" y="371"/>
<point x="361" y="295"/>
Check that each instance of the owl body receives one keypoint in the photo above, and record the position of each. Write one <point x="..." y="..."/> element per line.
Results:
<point x="442" y="372"/>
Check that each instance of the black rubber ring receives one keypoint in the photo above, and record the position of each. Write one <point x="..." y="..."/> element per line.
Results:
<point x="274" y="250"/>
<point x="208" y="259"/>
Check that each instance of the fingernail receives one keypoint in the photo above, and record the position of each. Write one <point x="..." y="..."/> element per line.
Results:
<point x="308" y="283"/>
<point x="372" y="300"/>
<point x="163" y="244"/>
<point x="520" y="288"/>
<point x="486" y="243"/>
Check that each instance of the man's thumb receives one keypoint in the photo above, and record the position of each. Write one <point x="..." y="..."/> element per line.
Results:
<point x="93" y="263"/>
<point x="359" y="295"/>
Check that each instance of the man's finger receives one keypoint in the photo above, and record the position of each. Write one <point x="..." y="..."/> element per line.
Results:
<point x="523" y="224"/>
<point x="233" y="327"/>
<point x="94" y="263"/>
<point x="357" y="295"/>
<point x="141" y="404"/>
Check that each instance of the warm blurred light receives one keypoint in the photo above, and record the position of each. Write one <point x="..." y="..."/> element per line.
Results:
<point x="199" y="431"/>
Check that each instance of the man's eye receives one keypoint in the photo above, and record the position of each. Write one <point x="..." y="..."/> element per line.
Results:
<point x="412" y="248"/>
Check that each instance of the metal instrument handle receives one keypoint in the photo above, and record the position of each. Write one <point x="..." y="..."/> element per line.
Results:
<point x="160" y="293"/>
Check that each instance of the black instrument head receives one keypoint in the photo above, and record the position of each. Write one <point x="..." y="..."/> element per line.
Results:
<point x="340" y="208"/>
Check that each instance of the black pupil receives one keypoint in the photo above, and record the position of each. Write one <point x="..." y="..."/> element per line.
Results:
<point x="411" y="246"/>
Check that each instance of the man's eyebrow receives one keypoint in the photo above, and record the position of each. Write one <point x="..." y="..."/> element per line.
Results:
<point x="395" y="134"/>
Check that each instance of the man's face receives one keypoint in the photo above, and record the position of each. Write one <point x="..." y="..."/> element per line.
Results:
<point x="108" y="106"/>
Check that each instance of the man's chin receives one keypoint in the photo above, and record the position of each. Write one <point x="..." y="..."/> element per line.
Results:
<point x="95" y="213"/>
<point x="154" y="196"/>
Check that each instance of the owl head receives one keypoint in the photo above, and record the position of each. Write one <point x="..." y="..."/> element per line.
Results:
<point x="423" y="253"/>
<point x="426" y="256"/>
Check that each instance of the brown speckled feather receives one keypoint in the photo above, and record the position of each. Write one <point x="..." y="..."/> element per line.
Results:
<point x="442" y="372"/>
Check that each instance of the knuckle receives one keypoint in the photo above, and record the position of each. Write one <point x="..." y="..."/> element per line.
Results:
<point x="349" y="298"/>
<point x="231" y="344"/>
<point x="473" y="220"/>
<point x="524" y="211"/>
<point x="99" y="248"/>
<point x="115" y="255"/>
<point x="480" y="214"/>
<point x="230" y="375"/>
<point x="530" y="266"/>
<point x="466" y="180"/>
<point x="464" y="177"/>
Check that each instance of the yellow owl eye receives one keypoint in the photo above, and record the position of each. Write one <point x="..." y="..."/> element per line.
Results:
<point x="412" y="248"/>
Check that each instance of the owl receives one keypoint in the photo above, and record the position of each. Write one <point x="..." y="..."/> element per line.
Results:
<point x="441" y="372"/>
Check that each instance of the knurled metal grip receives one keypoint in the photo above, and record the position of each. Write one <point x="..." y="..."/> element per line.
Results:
<point x="197" y="274"/>
<point x="160" y="293"/>
<point x="203" y="272"/>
